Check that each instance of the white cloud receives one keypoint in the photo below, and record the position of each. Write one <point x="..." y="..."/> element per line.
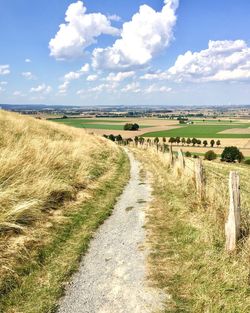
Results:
<point x="18" y="93"/>
<point x="159" y="75"/>
<point x="155" y="88"/>
<point x="28" y="60"/>
<point x="222" y="61"/>
<point x="3" y="83"/>
<point x="63" y="88"/>
<point x="4" y="69"/>
<point x="117" y="77"/>
<point x="133" y="87"/>
<point x="114" y="17"/>
<point x="72" y="76"/>
<point x="148" y="33"/>
<point x="28" y="75"/>
<point x="41" y="89"/>
<point x="92" y="78"/>
<point x="79" y="31"/>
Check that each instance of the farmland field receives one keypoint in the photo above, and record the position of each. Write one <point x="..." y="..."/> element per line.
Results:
<point x="204" y="131"/>
<point x="94" y="123"/>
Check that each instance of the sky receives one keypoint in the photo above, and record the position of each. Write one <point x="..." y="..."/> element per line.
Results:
<point x="106" y="52"/>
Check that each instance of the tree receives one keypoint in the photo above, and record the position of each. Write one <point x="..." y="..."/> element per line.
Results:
<point x="231" y="154"/>
<point x="178" y="140"/>
<point x="130" y="126"/>
<point x="141" y="140"/>
<point x="135" y="127"/>
<point x="136" y="140"/>
<point x="188" y="141"/>
<point x="164" y="140"/>
<point x="218" y="143"/>
<point x="119" y="138"/>
<point x="205" y="143"/>
<point x="194" y="141"/>
<point x="111" y="137"/>
<point x="210" y="155"/>
<point x="183" y="141"/>
<point x="198" y="142"/>
<point x="212" y="142"/>
<point x="156" y="140"/>
<point x="172" y="140"/>
<point x="188" y="154"/>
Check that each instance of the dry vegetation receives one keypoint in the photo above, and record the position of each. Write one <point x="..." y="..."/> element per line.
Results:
<point x="186" y="238"/>
<point x="57" y="184"/>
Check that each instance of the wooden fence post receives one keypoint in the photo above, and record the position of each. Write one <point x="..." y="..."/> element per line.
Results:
<point x="232" y="226"/>
<point x="171" y="156"/>
<point x="200" y="179"/>
<point x="181" y="160"/>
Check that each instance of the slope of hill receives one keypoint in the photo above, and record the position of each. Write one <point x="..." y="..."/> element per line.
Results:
<point x="187" y="237"/>
<point x="57" y="184"/>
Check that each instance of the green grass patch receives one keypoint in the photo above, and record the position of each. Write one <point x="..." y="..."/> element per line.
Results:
<point x="80" y="123"/>
<point x="201" y="131"/>
<point x="40" y="283"/>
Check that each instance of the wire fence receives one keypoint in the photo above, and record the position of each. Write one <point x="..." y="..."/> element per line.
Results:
<point x="207" y="178"/>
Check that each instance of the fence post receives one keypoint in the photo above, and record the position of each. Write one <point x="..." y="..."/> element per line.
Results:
<point x="181" y="160"/>
<point x="171" y="156"/>
<point x="232" y="226"/>
<point x="200" y="179"/>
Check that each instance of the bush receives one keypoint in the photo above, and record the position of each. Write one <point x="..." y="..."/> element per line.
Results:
<point x="232" y="154"/>
<point x="188" y="154"/>
<point x="210" y="155"/>
<point x="247" y="162"/>
<point x="130" y="126"/>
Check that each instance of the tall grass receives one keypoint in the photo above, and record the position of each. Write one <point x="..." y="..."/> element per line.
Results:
<point x="188" y="258"/>
<point x="47" y="171"/>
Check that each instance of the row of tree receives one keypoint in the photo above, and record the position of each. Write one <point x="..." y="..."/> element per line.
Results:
<point x="193" y="141"/>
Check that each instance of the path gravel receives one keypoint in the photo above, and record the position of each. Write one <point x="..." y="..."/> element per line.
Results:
<point x="112" y="275"/>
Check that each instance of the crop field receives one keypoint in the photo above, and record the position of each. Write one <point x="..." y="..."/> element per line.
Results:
<point x="204" y="131"/>
<point x="94" y="123"/>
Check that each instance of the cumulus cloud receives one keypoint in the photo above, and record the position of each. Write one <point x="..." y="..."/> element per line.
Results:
<point x="4" y="69"/>
<point x="28" y="75"/>
<point x="79" y="31"/>
<point x="117" y="77"/>
<point x="41" y="89"/>
<point x="133" y="87"/>
<point x="148" y="33"/>
<point x="27" y="60"/>
<point x="155" y="88"/>
<point x="114" y="17"/>
<point x="221" y="61"/>
<point x="92" y="78"/>
<point x="63" y="88"/>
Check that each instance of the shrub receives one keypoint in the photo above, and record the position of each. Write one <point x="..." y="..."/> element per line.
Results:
<point x="130" y="126"/>
<point x="231" y="154"/>
<point x="188" y="154"/>
<point x="210" y="155"/>
<point x="247" y="162"/>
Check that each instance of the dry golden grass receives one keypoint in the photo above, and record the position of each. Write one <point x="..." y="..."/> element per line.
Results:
<point x="186" y="238"/>
<point x="47" y="172"/>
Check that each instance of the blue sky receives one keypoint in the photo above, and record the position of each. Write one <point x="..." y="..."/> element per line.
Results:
<point x="118" y="52"/>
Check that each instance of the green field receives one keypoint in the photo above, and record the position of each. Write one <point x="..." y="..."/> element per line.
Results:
<point x="201" y="131"/>
<point x="84" y="120"/>
<point x="87" y="123"/>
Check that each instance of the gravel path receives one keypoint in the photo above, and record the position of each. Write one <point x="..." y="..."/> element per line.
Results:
<point x="112" y="276"/>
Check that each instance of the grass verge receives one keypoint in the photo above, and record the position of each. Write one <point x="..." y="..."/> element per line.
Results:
<point x="187" y="258"/>
<point x="41" y="282"/>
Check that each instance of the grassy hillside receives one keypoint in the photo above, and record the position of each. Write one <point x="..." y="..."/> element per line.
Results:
<point x="57" y="184"/>
<point x="188" y="259"/>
